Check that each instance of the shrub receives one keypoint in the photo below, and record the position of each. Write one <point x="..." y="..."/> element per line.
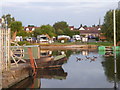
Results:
<point x="24" y="42"/>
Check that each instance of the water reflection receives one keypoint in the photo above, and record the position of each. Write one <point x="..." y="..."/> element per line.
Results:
<point x="108" y="65"/>
<point x="46" y="73"/>
<point x="28" y="83"/>
<point x="76" y="69"/>
<point x="52" y="73"/>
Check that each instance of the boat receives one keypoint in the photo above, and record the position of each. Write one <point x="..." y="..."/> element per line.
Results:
<point x="56" y="61"/>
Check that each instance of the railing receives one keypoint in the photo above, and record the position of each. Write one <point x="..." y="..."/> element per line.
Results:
<point x="4" y="48"/>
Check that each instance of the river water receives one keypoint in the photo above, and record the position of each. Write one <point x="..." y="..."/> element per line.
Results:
<point x="78" y="69"/>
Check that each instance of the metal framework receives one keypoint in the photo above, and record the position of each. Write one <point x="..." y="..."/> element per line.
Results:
<point x="4" y="48"/>
<point x="6" y="53"/>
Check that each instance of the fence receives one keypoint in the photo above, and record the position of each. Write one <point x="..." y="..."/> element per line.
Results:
<point x="4" y="48"/>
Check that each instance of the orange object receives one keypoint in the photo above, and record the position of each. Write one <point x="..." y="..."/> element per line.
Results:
<point x="32" y="61"/>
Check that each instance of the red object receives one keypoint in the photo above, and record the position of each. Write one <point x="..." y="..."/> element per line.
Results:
<point x="32" y="61"/>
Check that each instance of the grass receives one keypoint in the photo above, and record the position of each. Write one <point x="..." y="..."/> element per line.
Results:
<point x="80" y="43"/>
<point x="70" y="43"/>
<point x="101" y="43"/>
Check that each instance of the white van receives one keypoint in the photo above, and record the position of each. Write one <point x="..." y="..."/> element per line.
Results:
<point x="76" y="37"/>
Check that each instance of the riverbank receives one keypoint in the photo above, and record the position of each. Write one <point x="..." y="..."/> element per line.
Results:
<point x="82" y="47"/>
<point x="16" y="74"/>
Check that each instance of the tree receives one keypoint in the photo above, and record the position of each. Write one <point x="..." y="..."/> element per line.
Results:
<point x="60" y="32"/>
<point x="93" y="25"/>
<point x="107" y="27"/>
<point x="60" y="25"/>
<point x="85" y="26"/>
<point x="45" y="29"/>
<point x="62" y="28"/>
<point x="8" y="19"/>
<point x="108" y="65"/>
<point x="23" y="33"/>
<point x="81" y="25"/>
<point x="31" y="26"/>
<point x="15" y="27"/>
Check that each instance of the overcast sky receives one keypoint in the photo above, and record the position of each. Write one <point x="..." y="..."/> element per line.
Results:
<point x="75" y="12"/>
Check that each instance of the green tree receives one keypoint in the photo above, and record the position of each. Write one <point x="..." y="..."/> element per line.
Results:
<point x="81" y="25"/>
<point x="15" y="26"/>
<point x="60" y="32"/>
<point x="62" y="28"/>
<point x="31" y="26"/>
<point x="85" y="26"/>
<point x="60" y="25"/>
<point x="8" y="19"/>
<point x="23" y="33"/>
<point x="108" y="65"/>
<point x="44" y="29"/>
<point x="107" y="27"/>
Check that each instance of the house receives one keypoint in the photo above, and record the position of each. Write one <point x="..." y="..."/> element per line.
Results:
<point x="30" y="29"/>
<point x="30" y="39"/>
<point x="71" y="27"/>
<point x="18" y="38"/>
<point x="90" y="32"/>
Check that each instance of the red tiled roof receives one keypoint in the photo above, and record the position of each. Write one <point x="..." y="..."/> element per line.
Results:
<point x="89" y="31"/>
<point x="30" y="28"/>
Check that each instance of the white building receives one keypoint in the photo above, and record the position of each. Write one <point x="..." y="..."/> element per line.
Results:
<point x="18" y="38"/>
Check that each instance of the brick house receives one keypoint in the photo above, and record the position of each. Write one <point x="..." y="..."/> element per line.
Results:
<point x="90" y="31"/>
<point x="87" y="31"/>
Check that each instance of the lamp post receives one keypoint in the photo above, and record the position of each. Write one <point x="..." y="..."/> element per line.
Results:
<point x="115" y="66"/>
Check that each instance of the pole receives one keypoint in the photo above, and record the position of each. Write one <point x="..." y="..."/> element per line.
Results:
<point x="114" y="21"/>
<point x="115" y="66"/>
<point x="115" y="40"/>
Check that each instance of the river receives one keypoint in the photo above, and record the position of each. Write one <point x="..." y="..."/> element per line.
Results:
<point x="78" y="69"/>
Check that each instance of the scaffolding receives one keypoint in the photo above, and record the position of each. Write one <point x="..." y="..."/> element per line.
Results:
<point x="4" y="47"/>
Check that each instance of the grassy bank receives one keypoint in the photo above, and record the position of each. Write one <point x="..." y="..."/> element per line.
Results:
<point x="101" y="43"/>
<point x="89" y="43"/>
<point x="70" y="43"/>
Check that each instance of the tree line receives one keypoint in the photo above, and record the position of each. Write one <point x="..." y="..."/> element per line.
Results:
<point x="59" y="28"/>
<point x="62" y="27"/>
<point x="107" y="27"/>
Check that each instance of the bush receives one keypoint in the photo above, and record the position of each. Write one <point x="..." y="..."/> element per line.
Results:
<point x="24" y="42"/>
<point x="97" y="38"/>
